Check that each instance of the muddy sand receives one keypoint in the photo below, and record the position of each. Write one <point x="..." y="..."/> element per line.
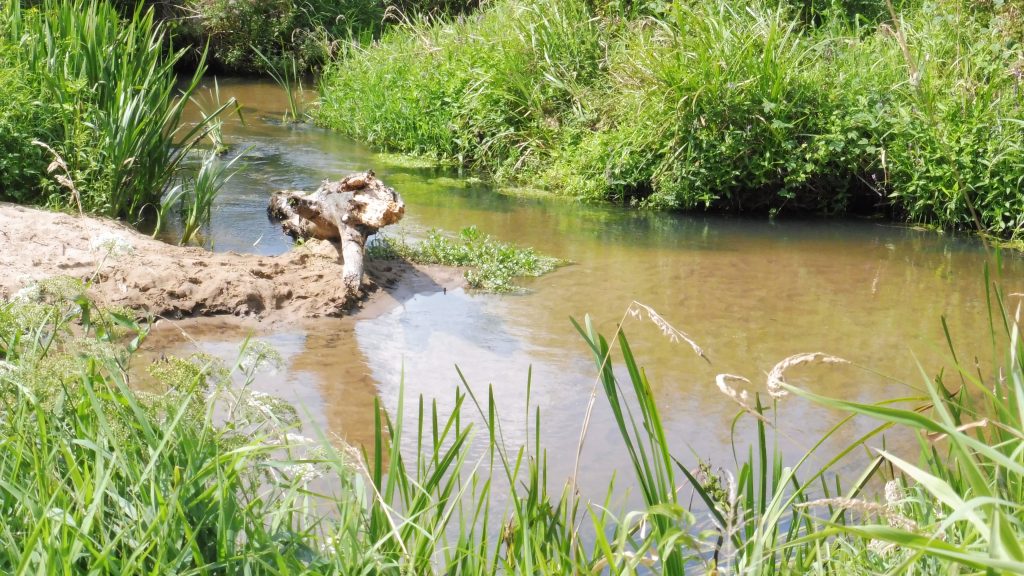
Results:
<point x="125" y="268"/>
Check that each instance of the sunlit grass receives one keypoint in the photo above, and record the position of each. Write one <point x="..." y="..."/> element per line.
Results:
<point x="97" y="476"/>
<point x="491" y="265"/>
<point x="767" y="107"/>
<point x="112" y="101"/>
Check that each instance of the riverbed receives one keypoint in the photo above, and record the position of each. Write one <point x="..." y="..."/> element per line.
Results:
<point x="749" y="291"/>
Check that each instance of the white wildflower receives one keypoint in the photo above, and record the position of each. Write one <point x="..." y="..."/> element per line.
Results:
<point x="294" y="440"/>
<point x="893" y="494"/>
<point x="297" y="439"/>
<point x="260" y="402"/>
<point x="303" y="473"/>
<point x="30" y="293"/>
<point x="113" y="245"/>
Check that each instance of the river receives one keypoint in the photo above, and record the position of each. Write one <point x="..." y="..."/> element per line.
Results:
<point x="750" y="291"/>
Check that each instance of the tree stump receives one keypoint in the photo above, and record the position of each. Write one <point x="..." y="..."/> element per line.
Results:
<point x="346" y="211"/>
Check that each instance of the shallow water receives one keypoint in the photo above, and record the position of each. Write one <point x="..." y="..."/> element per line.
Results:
<point x="749" y="291"/>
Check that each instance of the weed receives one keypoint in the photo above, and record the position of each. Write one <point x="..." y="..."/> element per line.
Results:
<point x="493" y="265"/>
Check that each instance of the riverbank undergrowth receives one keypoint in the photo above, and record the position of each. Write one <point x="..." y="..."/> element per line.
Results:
<point x="92" y="119"/>
<point x="827" y="107"/>
<point x="99" y="476"/>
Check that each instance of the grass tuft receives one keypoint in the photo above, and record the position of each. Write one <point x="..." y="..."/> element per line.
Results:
<point x="492" y="265"/>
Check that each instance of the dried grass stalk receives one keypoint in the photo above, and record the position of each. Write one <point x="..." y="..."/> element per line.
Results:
<point x="776" y="376"/>
<point x="637" y="310"/>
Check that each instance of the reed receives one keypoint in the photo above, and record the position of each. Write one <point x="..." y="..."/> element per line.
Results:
<point x="286" y="74"/>
<point x="112" y="100"/>
<point x="196" y="195"/>
<point x="99" y="477"/>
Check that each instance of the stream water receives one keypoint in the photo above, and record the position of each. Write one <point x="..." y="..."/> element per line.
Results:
<point x="749" y="291"/>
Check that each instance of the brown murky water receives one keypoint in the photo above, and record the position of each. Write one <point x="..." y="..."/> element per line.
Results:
<point x="749" y="291"/>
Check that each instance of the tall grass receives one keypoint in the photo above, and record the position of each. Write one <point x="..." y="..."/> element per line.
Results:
<point x="112" y="98"/>
<point x="288" y="78"/>
<point x="486" y="92"/>
<point x="826" y="107"/>
<point x="97" y="476"/>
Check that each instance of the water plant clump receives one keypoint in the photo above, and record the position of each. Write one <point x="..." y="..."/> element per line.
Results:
<point x="492" y="265"/>
<point x="101" y="129"/>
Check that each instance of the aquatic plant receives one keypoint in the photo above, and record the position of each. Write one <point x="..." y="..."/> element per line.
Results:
<point x="492" y="265"/>
<point x="211" y="108"/>
<point x="287" y="77"/>
<point x="195" y="196"/>
<point x="111" y="102"/>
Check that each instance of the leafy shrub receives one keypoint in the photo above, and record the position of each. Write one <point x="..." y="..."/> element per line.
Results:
<point x="826" y="106"/>
<point x="111" y="107"/>
<point x="489" y="92"/>
<point x="22" y="119"/>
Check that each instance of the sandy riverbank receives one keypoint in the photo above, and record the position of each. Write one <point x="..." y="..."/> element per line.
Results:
<point x="125" y="268"/>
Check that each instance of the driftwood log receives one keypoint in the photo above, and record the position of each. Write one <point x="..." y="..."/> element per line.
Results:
<point x="346" y="212"/>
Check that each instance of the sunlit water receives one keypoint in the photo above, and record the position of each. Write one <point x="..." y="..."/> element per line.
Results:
<point x="749" y="291"/>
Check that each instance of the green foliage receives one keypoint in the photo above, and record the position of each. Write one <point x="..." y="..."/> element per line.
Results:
<point x="194" y="196"/>
<point x="304" y="32"/>
<point x="22" y="165"/>
<point x="827" y="107"/>
<point x="488" y="92"/>
<point x="106" y="107"/>
<point x="97" y="477"/>
<point x="493" y="265"/>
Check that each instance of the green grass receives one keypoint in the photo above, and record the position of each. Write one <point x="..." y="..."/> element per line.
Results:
<point x="826" y="107"/>
<point x="492" y="265"/>
<point x="103" y="96"/>
<point x="201" y="474"/>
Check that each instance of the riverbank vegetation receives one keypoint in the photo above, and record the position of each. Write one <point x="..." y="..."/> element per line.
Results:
<point x="111" y="463"/>
<point x="303" y="34"/>
<point x="92" y="111"/>
<point x="491" y="265"/>
<point x="102" y="476"/>
<point x="910" y="108"/>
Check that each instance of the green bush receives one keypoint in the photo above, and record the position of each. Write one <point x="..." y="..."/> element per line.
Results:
<point x="22" y="119"/>
<point x="949" y="119"/>
<point x="712" y="108"/>
<point x="490" y="91"/>
<point x="97" y="96"/>
<point x="826" y="107"/>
